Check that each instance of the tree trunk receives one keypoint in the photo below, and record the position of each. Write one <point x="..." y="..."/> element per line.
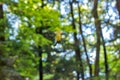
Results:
<point x="2" y="28"/>
<point x="84" y="43"/>
<point x="2" y="37"/>
<point x="40" y="52"/>
<point x="77" y="50"/>
<point x="40" y="64"/>
<point x="98" y="28"/>
<point x="105" y="57"/>
<point x="99" y="35"/>
<point x="118" y="7"/>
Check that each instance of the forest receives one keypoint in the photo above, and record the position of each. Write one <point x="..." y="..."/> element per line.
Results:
<point x="59" y="39"/>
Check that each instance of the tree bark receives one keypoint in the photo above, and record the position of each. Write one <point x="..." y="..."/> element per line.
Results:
<point x="84" y="43"/>
<point x="2" y="28"/>
<point x="98" y="28"/>
<point x="105" y="58"/>
<point x="77" y="50"/>
<point x="118" y="7"/>
<point x="40" y="53"/>
<point x="1" y="11"/>
<point x="2" y="37"/>
<point x="40" y="64"/>
<point x="99" y="35"/>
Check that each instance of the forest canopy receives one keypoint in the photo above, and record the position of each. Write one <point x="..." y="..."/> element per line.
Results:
<point x="59" y="39"/>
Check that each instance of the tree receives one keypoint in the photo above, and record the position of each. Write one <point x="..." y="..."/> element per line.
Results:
<point x="73" y="42"/>
<point x="77" y="50"/>
<point x="83" y="40"/>
<point x="6" y="61"/>
<point x="98" y="28"/>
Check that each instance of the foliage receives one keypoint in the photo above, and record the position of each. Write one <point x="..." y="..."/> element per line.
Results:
<point x="33" y="23"/>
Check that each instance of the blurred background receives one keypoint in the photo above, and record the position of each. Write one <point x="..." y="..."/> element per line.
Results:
<point x="59" y="39"/>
